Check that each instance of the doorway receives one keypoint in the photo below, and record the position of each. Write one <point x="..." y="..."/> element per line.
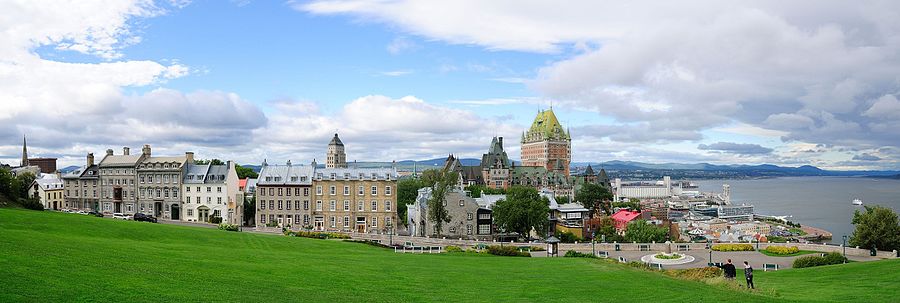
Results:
<point x="203" y="214"/>
<point x="117" y="207"/>
<point x="157" y="209"/>
<point x="361" y="224"/>
<point x="176" y="212"/>
<point x="320" y="223"/>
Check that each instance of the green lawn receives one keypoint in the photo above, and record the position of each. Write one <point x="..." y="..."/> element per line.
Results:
<point x="48" y="257"/>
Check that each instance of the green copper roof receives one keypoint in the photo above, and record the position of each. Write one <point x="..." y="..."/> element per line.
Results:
<point x="547" y="125"/>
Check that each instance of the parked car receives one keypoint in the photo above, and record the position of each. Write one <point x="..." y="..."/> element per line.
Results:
<point x="120" y="216"/>
<point x="144" y="218"/>
<point x="95" y="214"/>
<point x="129" y="217"/>
<point x="81" y="212"/>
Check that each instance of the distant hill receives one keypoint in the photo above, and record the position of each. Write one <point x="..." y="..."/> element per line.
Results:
<point x="68" y="169"/>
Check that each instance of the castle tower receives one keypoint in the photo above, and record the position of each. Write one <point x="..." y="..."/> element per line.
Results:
<point x="547" y="144"/>
<point x="336" y="156"/>
<point x="24" y="161"/>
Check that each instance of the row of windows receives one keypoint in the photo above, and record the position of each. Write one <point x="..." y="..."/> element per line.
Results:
<point x="198" y="200"/>
<point x="360" y="205"/>
<point x="85" y="193"/>
<point x="106" y="181"/>
<point x="283" y="205"/>
<point x="159" y="178"/>
<point x="360" y="190"/>
<point x="333" y="221"/>
<point x="159" y="192"/>
<point x="284" y="191"/>
<point x="187" y="189"/>
<point x="109" y="171"/>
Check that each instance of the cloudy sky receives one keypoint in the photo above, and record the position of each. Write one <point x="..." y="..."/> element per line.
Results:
<point x="782" y="82"/>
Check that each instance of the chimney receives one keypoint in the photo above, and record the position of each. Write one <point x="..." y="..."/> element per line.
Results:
<point x="109" y="152"/>
<point x="90" y="159"/>
<point x="126" y="151"/>
<point x="146" y="150"/>
<point x="189" y="157"/>
<point x="289" y="163"/>
<point x="501" y="142"/>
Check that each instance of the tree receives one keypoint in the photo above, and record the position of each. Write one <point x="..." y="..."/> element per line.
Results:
<point x="642" y="231"/>
<point x="407" y="191"/>
<point x="20" y="185"/>
<point x="636" y="206"/>
<point x="6" y="183"/>
<point x="522" y="210"/>
<point x="607" y="231"/>
<point x="245" y="172"/>
<point x="213" y="162"/>
<point x="877" y="227"/>
<point x="594" y="197"/>
<point x="475" y="191"/>
<point x="442" y="181"/>
<point x="249" y="211"/>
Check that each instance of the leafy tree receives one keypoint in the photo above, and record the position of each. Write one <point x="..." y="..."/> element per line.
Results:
<point x="249" y="211"/>
<point x="607" y="231"/>
<point x="442" y="182"/>
<point x="20" y="185"/>
<point x="522" y="210"/>
<point x="594" y="197"/>
<point x="245" y="172"/>
<point x="642" y="231"/>
<point x="877" y="227"/>
<point x="407" y="191"/>
<point x="630" y="204"/>
<point x="477" y="190"/>
<point x="6" y="182"/>
<point x="213" y="162"/>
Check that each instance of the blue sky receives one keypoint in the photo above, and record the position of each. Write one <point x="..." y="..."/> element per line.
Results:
<point x="719" y="82"/>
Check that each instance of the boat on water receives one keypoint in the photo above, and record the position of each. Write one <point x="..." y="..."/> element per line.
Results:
<point x="856" y="201"/>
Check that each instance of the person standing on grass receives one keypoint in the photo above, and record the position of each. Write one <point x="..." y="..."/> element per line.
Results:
<point x="730" y="271"/>
<point x="748" y="273"/>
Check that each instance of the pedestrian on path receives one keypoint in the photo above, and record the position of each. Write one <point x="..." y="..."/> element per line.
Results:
<point x="748" y="273"/>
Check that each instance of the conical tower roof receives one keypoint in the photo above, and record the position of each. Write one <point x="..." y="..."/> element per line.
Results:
<point x="589" y="171"/>
<point x="547" y="125"/>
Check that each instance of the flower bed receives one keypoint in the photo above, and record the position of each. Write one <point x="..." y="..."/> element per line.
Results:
<point x="782" y="250"/>
<point x="667" y="257"/>
<point x="732" y="247"/>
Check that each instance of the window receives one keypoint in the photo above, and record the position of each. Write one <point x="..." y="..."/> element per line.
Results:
<point x="469" y="229"/>
<point x="469" y="216"/>
<point x="262" y="219"/>
<point x="198" y="189"/>
<point x="271" y="204"/>
<point x="374" y="190"/>
<point x="166" y="192"/>
<point x="484" y="229"/>
<point x="332" y="191"/>
<point x="374" y="205"/>
<point x="484" y="217"/>
<point x="305" y="191"/>
<point x="280" y="205"/>
<point x="359" y="206"/>
<point x="319" y="205"/>
<point x="218" y="200"/>
<point x="158" y="191"/>
<point x="297" y="191"/>
<point x="305" y="205"/>
<point x="452" y="230"/>
<point x="174" y="193"/>
<point x="288" y="206"/>
<point x="305" y="219"/>
<point x="219" y="189"/>
<point x="190" y="212"/>
<point x="388" y="205"/>
<point x="387" y="190"/>
<point x="360" y="190"/>
<point x="280" y="192"/>
<point x="346" y="190"/>
<point x="346" y="221"/>
<point x="388" y="221"/>
<point x="187" y="189"/>
<point x="333" y="205"/>
<point x="319" y="190"/>
<point x="198" y="200"/>
<point x="271" y="191"/>
<point x="142" y="179"/>
<point x="374" y="222"/>
<point x="346" y="205"/>
<point x="332" y="222"/>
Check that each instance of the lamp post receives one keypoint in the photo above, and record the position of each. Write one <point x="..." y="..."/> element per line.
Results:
<point x="390" y="227"/>
<point x="758" y="237"/>
<point x="593" y="250"/>
<point x="844" y="246"/>
<point x="709" y="246"/>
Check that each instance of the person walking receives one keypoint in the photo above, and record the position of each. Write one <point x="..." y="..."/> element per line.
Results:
<point x="748" y="273"/>
<point x="730" y="271"/>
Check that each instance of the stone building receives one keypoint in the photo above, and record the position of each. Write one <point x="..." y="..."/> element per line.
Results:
<point x="159" y="183"/>
<point x="468" y="219"/>
<point x="81" y="186"/>
<point x="283" y="195"/>
<point x="547" y="144"/>
<point x="336" y="158"/>
<point x="355" y="199"/>
<point x="210" y="191"/>
<point x="118" y="189"/>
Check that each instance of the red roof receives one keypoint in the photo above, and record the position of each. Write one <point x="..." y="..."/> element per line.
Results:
<point x="242" y="182"/>
<point x="626" y="215"/>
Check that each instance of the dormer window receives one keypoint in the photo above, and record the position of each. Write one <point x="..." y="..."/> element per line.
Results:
<point x="293" y="178"/>
<point x="333" y="176"/>
<point x="347" y="176"/>
<point x="268" y="178"/>
<point x="277" y="179"/>
<point x="303" y="179"/>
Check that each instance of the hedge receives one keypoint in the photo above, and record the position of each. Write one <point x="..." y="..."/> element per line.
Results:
<point x="575" y="254"/>
<point x="452" y="249"/>
<point x="319" y="235"/>
<point x="732" y="247"/>
<point x="782" y="250"/>
<point x="812" y="261"/>
<point x="509" y="250"/>
<point x="229" y="227"/>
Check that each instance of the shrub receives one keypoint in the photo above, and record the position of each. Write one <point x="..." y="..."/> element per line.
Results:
<point x="668" y="257"/>
<point x="575" y="254"/>
<point x="732" y="247"/>
<point x="538" y="248"/>
<point x="320" y="235"/>
<point x="782" y="250"/>
<point x="31" y="203"/>
<point x="568" y="237"/>
<point x="272" y="224"/>
<point x="696" y="274"/>
<point x="215" y="220"/>
<point x="229" y="227"/>
<point x="512" y="251"/>
<point x="812" y="261"/>
<point x="452" y="249"/>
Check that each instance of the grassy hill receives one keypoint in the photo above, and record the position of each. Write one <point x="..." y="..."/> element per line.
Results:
<point x="47" y="256"/>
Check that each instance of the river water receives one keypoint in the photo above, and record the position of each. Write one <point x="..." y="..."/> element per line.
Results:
<point x="822" y="202"/>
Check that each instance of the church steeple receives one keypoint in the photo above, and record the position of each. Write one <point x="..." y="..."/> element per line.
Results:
<point x="24" y="152"/>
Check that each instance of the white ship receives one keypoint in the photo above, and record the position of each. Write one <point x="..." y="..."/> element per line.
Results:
<point x="856" y="201"/>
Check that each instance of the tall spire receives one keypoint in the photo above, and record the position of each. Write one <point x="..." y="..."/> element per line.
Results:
<point x="24" y="152"/>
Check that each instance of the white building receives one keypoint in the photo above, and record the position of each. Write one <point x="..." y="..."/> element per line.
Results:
<point x="49" y="190"/>
<point x="211" y="191"/>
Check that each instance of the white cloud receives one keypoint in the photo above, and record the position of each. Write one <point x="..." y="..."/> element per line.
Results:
<point x="401" y="44"/>
<point x="396" y="73"/>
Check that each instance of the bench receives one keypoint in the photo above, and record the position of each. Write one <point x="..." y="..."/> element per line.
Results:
<point x="622" y="260"/>
<point x="684" y="247"/>
<point x="603" y="254"/>
<point x="644" y="247"/>
<point x="767" y="267"/>
<point x="656" y="266"/>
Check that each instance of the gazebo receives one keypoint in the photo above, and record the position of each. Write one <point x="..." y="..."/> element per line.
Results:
<point x="552" y="246"/>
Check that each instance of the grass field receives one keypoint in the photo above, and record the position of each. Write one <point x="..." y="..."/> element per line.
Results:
<point x="48" y="256"/>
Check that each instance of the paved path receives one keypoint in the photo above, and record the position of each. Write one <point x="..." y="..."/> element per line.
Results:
<point x="701" y="258"/>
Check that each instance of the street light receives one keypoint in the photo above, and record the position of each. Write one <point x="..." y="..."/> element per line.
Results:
<point x="844" y="246"/>
<point x="709" y="246"/>
<point x="390" y="227"/>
